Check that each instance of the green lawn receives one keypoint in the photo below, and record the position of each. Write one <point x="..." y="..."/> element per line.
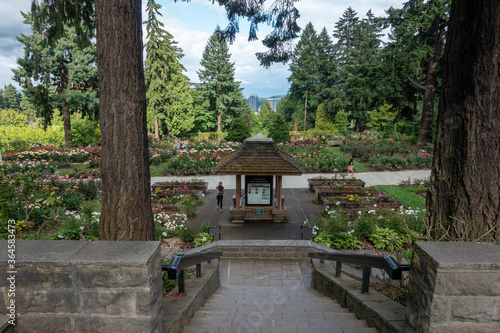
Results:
<point x="358" y="166"/>
<point x="405" y="196"/>
<point x="74" y="168"/>
<point x="158" y="170"/>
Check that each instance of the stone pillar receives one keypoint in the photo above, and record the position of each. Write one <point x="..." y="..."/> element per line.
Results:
<point x="81" y="286"/>
<point x="454" y="287"/>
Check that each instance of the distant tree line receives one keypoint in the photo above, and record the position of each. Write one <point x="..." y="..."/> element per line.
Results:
<point x="359" y="74"/>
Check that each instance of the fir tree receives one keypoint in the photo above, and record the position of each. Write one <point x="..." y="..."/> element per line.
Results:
<point x="11" y="98"/>
<point x="418" y="33"/>
<point x="265" y="118"/>
<point x="279" y="131"/>
<point x="304" y="68"/>
<point x="323" y="121"/>
<point x="169" y="101"/>
<point x="222" y="94"/>
<point x="58" y="75"/>
<point x="238" y="131"/>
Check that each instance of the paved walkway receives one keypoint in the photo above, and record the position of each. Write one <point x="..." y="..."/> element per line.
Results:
<point x="298" y="201"/>
<point x="371" y="178"/>
<point x="271" y="296"/>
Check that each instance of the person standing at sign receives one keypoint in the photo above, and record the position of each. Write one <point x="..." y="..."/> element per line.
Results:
<point x="220" y="195"/>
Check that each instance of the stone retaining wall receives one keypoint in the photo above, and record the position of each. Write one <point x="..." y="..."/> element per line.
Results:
<point x="179" y="309"/>
<point x="79" y="286"/>
<point x="454" y="287"/>
<point x="264" y="249"/>
<point x="378" y="310"/>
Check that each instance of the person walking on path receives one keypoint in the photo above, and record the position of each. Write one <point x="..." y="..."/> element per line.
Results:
<point x="350" y="167"/>
<point x="220" y="195"/>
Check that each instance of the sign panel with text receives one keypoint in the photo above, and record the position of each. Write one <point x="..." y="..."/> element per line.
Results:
<point x="259" y="190"/>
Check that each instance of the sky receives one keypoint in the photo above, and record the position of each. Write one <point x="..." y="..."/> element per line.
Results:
<point x="191" y="24"/>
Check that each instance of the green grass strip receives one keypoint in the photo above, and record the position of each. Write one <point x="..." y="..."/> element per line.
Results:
<point x="158" y="170"/>
<point x="405" y="196"/>
<point x="358" y="166"/>
<point x="75" y="167"/>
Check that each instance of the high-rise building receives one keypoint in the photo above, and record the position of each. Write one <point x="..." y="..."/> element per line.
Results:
<point x="273" y="103"/>
<point x="253" y="101"/>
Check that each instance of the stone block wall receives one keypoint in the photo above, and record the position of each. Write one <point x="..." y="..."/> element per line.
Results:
<point x="79" y="286"/>
<point x="264" y="249"/>
<point x="454" y="287"/>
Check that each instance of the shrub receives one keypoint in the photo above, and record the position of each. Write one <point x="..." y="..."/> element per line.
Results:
<point x="238" y="131"/>
<point x="279" y="131"/>
<point x="83" y="132"/>
<point x="202" y="238"/>
<point x="72" y="200"/>
<point x="323" y="122"/>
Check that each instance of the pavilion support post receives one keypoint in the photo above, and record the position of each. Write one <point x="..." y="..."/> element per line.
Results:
<point x="279" y="191"/>
<point x="238" y="191"/>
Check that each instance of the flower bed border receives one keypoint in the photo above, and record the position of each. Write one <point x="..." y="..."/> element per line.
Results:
<point x="166" y="185"/>
<point x="313" y="182"/>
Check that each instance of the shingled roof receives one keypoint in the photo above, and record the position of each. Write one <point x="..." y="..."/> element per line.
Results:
<point x="258" y="155"/>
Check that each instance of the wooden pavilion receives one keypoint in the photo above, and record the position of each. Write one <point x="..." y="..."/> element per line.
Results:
<point x="263" y="165"/>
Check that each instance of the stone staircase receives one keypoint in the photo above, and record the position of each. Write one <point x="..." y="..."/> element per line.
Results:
<point x="271" y="299"/>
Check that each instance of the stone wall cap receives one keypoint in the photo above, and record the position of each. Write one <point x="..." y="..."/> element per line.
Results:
<point x="40" y="251"/>
<point x="463" y="254"/>
<point x="115" y="252"/>
<point x="80" y="252"/>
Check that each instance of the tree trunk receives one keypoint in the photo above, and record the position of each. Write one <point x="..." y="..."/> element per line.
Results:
<point x="157" y="129"/>
<point x="66" y="123"/>
<point x="305" y="112"/>
<point x="63" y="77"/>
<point x="427" y="120"/>
<point x="219" y="114"/>
<point x="463" y="200"/>
<point x="126" y="193"/>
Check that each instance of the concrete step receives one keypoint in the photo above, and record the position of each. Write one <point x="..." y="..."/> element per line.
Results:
<point x="280" y="314"/>
<point x="256" y="323"/>
<point x="268" y="309"/>
<point x="242" y="329"/>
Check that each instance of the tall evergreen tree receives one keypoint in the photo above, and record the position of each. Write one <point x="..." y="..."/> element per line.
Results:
<point x="169" y="102"/>
<point x="365" y="81"/>
<point x="11" y="98"/>
<point x="418" y="31"/>
<point x="356" y="52"/>
<point x="304" y="68"/>
<point x="58" y="75"/>
<point x="265" y="118"/>
<point x="222" y="93"/>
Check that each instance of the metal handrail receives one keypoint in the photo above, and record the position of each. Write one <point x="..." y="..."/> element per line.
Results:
<point x="213" y="235"/>
<point x="302" y="227"/>
<point x="367" y="260"/>
<point x="175" y="270"/>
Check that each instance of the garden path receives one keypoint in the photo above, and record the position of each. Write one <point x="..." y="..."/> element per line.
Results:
<point x="371" y="178"/>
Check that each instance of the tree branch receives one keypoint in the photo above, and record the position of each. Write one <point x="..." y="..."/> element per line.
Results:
<point x="421" y="86"/>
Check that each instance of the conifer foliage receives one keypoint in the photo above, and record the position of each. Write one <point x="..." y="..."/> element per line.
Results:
<point x="169" y="101"/>
<point x="238" y="131"/>
<point x="222" y="95"/>
<point x="279" y="131"/>
<point x="58" y="74"/>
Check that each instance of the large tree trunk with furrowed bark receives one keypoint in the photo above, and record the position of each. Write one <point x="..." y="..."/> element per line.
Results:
<point x="126" y="194"/>
<point x="463" y="199"/>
